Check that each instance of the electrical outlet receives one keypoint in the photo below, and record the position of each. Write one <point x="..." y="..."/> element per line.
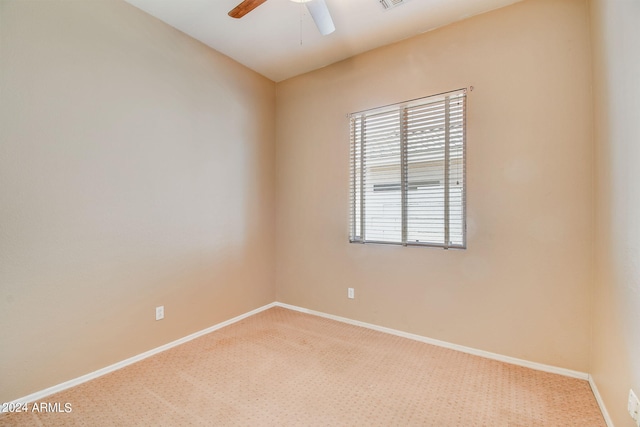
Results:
<point x="160" y="312"/>
<point x="350" y="293"/>
<point x="633" y="406"/>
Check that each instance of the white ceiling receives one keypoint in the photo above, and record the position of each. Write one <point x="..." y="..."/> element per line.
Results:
<point x="267" y="40"/>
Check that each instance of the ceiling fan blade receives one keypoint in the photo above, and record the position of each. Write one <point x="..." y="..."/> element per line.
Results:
<point x="245" y="7"/>
<point x="321" y="16"/>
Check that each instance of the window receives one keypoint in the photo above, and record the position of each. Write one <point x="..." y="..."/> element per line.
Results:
<point x="408" y="173"/>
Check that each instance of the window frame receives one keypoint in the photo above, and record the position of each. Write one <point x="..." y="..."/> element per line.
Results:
<point x="357" y="192"/>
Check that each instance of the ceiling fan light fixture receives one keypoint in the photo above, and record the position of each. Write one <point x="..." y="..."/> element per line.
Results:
<point x="317" y="8"/>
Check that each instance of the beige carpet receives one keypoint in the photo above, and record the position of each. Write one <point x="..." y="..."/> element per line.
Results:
<point x="282" y="367"/>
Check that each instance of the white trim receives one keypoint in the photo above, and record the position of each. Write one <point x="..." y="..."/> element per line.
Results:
<point x="482" y="353"/>
<point x="520" y="362"/>
<point x="100" y="372"/>
<point x="603" y="409"/>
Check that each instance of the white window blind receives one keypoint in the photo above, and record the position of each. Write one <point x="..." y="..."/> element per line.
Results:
<point x="408" y="173"/>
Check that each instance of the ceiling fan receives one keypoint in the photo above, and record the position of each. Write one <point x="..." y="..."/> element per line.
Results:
<point x="317" y="8"/>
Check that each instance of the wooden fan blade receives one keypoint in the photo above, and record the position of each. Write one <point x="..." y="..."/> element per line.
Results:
<point x="245" y="7"/>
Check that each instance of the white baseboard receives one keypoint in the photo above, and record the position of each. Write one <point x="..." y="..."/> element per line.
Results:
<point x="469" y="350"/>
<point x="603" y="409"/>
<point x="100" y="372"/>
<point x="533" y="365"/>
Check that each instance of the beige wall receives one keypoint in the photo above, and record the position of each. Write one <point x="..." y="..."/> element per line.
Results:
<point x="615" y="364"/>
<point x="522" y="288"/>
<point x="136" y="169"/>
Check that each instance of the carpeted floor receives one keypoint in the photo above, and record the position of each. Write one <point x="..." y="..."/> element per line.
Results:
<point x="284" y="368"/>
